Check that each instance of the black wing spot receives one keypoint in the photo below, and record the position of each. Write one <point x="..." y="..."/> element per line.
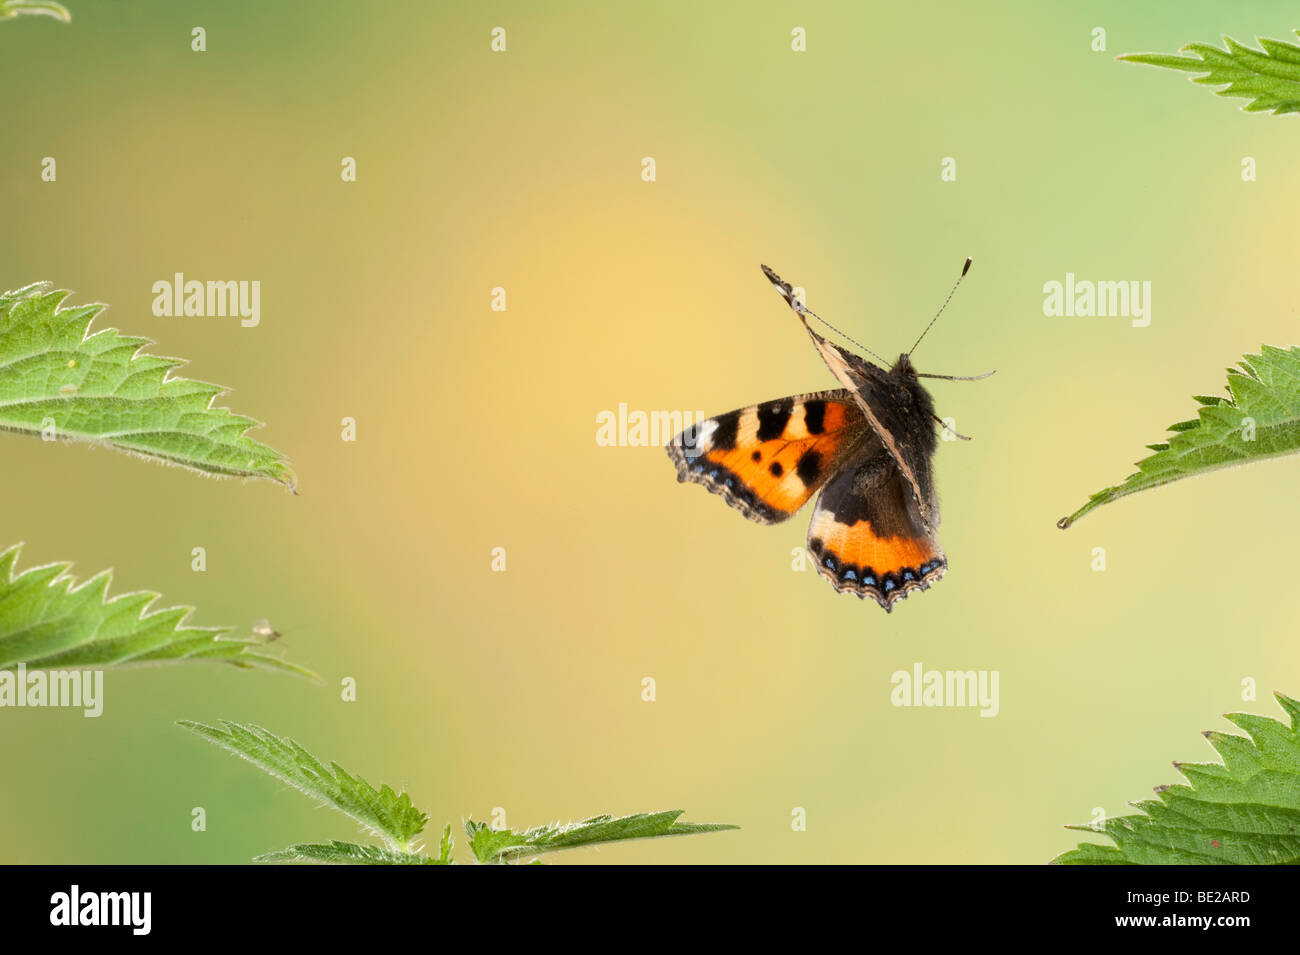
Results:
<point x="814" y="416"/>
<point x="772" y="420"/>
<point x="809" y="467"/>
<point x="776" y="469"/>
<point x="724" y="435"/>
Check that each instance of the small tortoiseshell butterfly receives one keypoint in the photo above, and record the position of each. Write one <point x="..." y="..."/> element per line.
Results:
<point x="867" y="447"/>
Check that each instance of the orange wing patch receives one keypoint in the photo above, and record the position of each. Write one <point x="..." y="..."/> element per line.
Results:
<point x="768" y="460"/>
<point x="856" y="560"/>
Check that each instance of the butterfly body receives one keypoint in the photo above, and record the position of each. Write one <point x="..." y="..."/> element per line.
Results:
<point x="866" y="448"/>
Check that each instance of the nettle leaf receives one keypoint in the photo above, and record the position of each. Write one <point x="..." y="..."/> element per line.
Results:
<point x="503" y="845"/>
<point x="1269" y="78"/>
<point x="347" y="853"/>
<point x="445" y="845"/>
<point x="49" y="621"/>
<point x="1244" y="811"/>
<point x="392" y="817"/>
<point x="382" y="812"/>
<point x="13" y="8"/>
<point x="56" y="377"/>
<point x="1259" y="419"/>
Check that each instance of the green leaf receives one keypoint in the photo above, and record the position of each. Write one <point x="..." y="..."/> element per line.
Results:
<point x="392" y="817"/>
<point x="1260" y="419"/>
<point x="58" y="378"/>
<point x="1244" y="811"/>
<point x="49" y="621"/>
<point x="503" y="845"/>
<point x="383" y="812"/>
<point x="445" y="845"/>
<point x="1270" y="78"/>
<point x="347" y="853"/>
<point x="12" y="8"/>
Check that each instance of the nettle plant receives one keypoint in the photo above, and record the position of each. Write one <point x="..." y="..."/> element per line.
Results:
<point x="63" y="382"/>
<point x="1243" y="811"/>
<point x="1269" y="77"/>
<point x="1259" y="419"/>
<point x="390" y="817"/>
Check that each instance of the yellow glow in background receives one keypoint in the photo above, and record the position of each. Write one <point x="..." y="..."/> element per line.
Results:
<point x="476" y="429"/>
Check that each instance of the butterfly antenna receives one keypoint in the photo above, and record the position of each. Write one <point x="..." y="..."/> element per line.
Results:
<point x="846" y="337"/>
<point x="951" y="430"/>
<point x="788" y="294"/>
<point x="964" y="269"/>
<point x="959" y="377"/>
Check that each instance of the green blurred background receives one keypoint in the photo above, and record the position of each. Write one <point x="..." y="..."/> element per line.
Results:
<point x="476" y="428"/>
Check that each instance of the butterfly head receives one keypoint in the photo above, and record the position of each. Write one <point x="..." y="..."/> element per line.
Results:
<point x="904" y="366"/>
<point x="909" y="393"/>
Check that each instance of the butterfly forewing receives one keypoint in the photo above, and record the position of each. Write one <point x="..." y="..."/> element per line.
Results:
<point x="769" y="459"/>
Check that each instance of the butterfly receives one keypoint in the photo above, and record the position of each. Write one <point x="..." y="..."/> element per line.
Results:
<point x="867" y="447"/>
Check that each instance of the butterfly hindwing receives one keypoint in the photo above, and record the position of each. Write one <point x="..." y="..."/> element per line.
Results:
<point x="867" y="534"/>
<point x="769" y="459"/>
